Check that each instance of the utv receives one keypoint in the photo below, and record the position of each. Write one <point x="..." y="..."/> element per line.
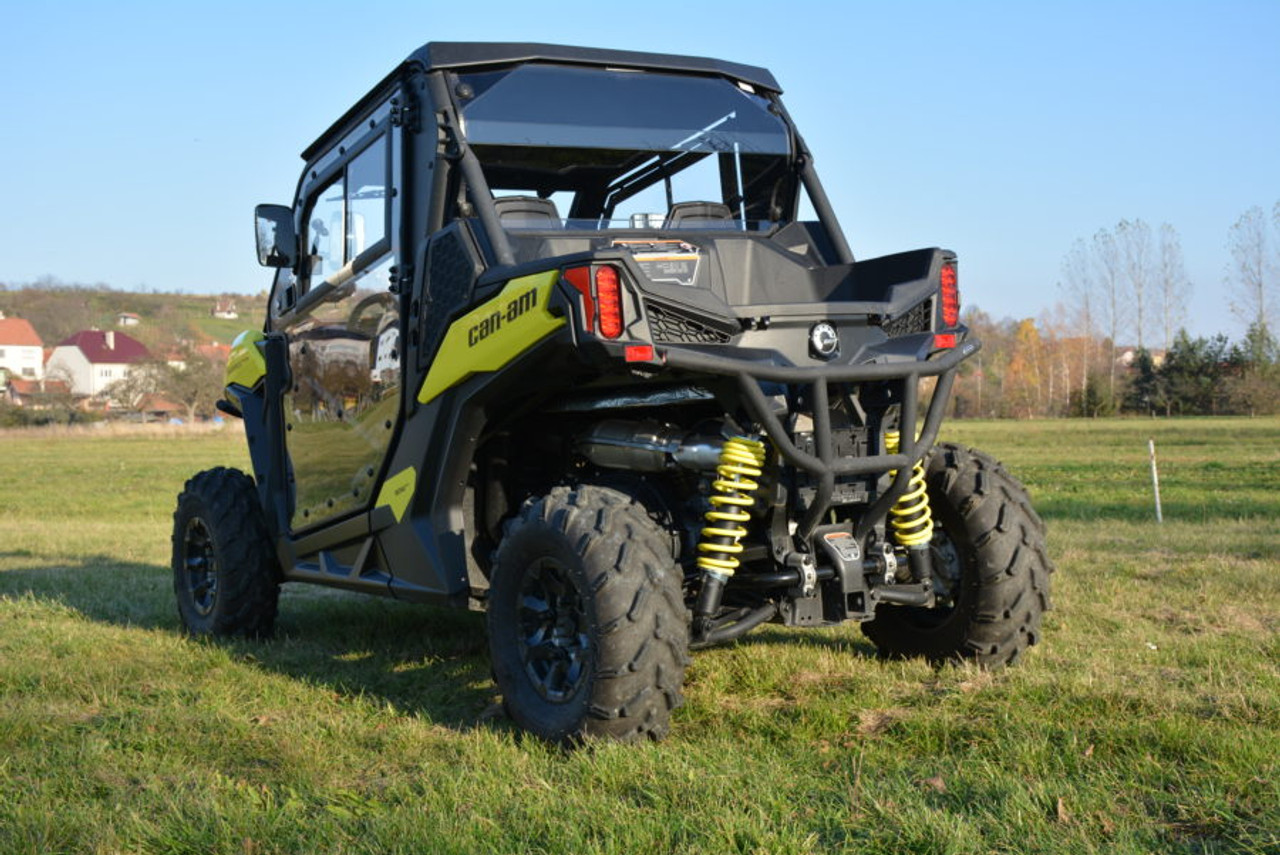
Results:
<point x="549" y="337"/>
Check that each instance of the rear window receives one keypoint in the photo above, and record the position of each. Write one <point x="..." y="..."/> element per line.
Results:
<point x="549" y="105"/>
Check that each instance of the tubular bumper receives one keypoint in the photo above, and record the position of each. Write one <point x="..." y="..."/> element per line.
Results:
<point x="826" y="466"/>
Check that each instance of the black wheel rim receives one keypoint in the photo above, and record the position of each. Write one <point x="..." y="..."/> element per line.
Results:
<point x="948" y="570"/>
<point x="554" y="645"/>
<point x="200" y="566"/>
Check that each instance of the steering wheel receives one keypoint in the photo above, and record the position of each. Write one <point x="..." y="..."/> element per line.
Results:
<point x="360" y="312"/>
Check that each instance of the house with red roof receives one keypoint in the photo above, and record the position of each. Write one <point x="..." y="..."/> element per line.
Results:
<point x="21" y="350"/>
<point x="215" y="352"/>
<point x="91" y="360"/>
<point x="36" y="394"/>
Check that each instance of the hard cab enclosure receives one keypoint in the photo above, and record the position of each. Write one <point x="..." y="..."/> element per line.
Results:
<point x="546" y="323"/>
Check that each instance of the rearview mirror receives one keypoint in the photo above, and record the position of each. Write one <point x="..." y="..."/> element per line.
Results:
<point x="277" y="241"/>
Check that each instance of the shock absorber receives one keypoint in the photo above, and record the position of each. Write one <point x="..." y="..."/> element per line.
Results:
<point x="741" y="460"/>
<point x="910" y="518"/>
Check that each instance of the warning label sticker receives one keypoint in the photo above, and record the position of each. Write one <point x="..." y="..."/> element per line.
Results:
<point x="665" y="261"/>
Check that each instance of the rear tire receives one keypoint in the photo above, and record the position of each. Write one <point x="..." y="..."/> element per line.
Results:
<point x="991" y="569"/>
<point x="225" y="574"/>
<point x="587" y="628"/>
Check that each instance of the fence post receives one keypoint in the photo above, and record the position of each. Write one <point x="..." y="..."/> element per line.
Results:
<point x="1155" y="479"/>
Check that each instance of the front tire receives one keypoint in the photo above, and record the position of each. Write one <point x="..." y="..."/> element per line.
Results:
<point x="587" y="627"/>
<point x="990" y="567"/>
<point x="225" y="574"/>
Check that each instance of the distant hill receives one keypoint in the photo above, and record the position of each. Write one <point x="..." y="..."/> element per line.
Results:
<point x="162" y="320"/>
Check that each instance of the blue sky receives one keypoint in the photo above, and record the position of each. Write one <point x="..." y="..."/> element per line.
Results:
<point x="138" y="136"/>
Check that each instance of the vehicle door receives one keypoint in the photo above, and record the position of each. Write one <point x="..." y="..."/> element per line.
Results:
<point x="341" y="318"/>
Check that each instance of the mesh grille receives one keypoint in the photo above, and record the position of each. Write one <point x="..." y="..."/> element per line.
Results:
<point x="676" y="327"/>
<point x="451" y="271"/>
<point x="919" y="319"/>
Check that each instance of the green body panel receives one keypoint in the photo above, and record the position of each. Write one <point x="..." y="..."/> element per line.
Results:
<point x="246" y="364"/>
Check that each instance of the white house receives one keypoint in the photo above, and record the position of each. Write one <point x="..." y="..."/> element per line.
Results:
<point x="127" y="319"/>
<point x="21" y="350"/>
<point x="92" y="360"/>
<point x="225" y="309"/>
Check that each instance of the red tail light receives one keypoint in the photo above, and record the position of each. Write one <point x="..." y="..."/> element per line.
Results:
<point x="950" y="295"/>
<point x="609" y="298"/>
<point x="639" y="353"/>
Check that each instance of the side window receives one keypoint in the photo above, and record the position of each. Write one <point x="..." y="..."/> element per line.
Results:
<point x="324" y="233"/>
<point x="348" y="215"/>
<point x="368" y="198"/>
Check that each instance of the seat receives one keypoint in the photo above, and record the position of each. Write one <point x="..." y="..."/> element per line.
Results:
<point x="685" y="215"/>
<point x="527" y="212"/>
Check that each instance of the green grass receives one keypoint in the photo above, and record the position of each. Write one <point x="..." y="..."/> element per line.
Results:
<point x="1147" y="721"/>
<point x="223" y="329"/>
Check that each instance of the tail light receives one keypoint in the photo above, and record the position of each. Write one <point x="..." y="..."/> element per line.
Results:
<point x="950" y="298"/>
<point x="609" y="298"/>
<point x="601" y="298"/>
<point x="950" y="295"/>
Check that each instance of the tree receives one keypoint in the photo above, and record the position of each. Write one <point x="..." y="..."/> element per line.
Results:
<point x="193" y="381"/>
<point x="1173" y="285"/>
<point x="1077" y="274"/>
<point x="1023" y="381"/>
<point x="196" y="385"/>
<point x="1254" y="387"/>
<point x="1148" y="391"/>
<point x="143" y="381"/>
<point x="1090" y="400"/>
<point x="1252" y="272"/>
<point x="1107" y="264"/>
<point x="1195" y="371"/>
<point x="993" y="360"/>
<point x="1133" y="237"/>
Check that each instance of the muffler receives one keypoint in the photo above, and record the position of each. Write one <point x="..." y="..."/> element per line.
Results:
<point x="648" y="446"/>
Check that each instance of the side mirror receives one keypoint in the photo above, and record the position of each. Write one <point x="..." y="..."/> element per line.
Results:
<point x="277" y="241"/>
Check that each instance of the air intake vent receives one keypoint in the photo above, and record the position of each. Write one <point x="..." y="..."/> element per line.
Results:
<point x="451" y="271"/>
<point x="918" y="320"/>
<point x="678" y="326"/>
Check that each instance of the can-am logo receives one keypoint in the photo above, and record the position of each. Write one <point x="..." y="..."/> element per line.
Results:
<point x="823" y="339"/>
<point x="493" y="322"/>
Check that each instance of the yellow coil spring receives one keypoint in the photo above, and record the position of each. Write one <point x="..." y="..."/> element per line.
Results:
<point x="741" y="459"/>
<point x="912" y="521"/>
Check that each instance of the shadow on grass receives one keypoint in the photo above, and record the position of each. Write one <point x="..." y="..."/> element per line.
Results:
<point x="419" y="659"/>
<point x="837" y="639"/>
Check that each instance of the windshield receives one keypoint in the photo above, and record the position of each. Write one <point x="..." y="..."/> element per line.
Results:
<point x="611" y="148"/>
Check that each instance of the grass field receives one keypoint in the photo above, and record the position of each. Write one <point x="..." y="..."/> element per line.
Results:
<point x="1147" y="721"/>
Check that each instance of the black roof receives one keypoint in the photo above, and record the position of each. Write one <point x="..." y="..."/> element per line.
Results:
<point x="468" y="54"/>
<point x="476" y="55"/>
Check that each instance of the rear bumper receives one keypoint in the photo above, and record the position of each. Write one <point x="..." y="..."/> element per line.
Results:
<point x="825" y="466"/>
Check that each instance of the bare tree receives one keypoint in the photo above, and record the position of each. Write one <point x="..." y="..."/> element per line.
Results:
<point x="143" y="380"/>
<point x="1252" y="270"/>
<point x="1055" y="338"/>
<point x="1080" y="287"/>
<point x="1174" y="286"/>
<point x="194" y="381"/>
<point x="1134" y="240"/>
<point x="1107" y="264"/>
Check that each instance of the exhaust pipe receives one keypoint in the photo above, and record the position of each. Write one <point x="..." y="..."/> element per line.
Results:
<point x="648" y="447"/>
